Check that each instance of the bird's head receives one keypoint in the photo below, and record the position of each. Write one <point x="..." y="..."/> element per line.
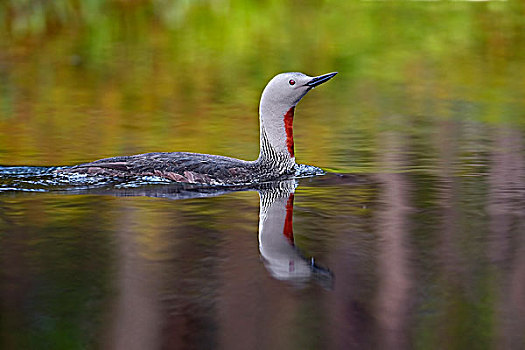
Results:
<point x="276" y="111"/>
<point x="288" y="88"/>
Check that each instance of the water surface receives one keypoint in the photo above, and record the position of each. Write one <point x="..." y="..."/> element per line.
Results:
<point x="393" y="259"/>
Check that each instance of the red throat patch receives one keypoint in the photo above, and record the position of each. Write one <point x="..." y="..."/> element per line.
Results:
<point x="288" y="126"/>
<point x="288" y="225"/>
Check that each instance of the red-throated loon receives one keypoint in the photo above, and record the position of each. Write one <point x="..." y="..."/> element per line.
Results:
<point x="276" y="158"/>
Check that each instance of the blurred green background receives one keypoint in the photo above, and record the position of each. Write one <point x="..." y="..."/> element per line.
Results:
<point x="81" y="80"/>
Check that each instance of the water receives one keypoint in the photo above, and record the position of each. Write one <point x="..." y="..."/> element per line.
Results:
<point x="413" y="239"/>
<point x="402" y="259"/>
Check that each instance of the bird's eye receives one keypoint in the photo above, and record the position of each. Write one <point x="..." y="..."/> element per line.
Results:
<point x="291" y="82"/>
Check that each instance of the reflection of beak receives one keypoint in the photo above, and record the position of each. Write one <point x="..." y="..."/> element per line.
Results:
<point x="323" y="276"/>
<point x="320" y="79"/>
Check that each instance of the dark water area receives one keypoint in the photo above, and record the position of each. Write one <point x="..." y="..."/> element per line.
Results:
<point x="405" y="257"/>
<point x="414" y="238"/>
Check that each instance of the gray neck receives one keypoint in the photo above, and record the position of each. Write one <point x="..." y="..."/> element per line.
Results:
<point x="276" y="142"/>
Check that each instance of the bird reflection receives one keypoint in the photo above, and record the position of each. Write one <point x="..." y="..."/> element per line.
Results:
<point x="283" y="260"/>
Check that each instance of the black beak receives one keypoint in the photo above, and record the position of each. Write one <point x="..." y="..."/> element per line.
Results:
<point x="320" y="79"/>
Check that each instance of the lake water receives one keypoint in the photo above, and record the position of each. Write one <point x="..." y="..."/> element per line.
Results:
<point x="415" y="237"/>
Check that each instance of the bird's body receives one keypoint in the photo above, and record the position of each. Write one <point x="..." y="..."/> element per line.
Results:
<point x="184" y="167"/>
<point x="276" y="158"/>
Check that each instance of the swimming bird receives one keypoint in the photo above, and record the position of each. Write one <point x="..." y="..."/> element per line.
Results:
<point x="276" y="157"/>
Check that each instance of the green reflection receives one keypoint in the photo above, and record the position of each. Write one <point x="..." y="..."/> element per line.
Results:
<point x="56" y="267"/>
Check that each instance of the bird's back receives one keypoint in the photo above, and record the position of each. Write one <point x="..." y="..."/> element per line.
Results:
<point x="177" y="166"/>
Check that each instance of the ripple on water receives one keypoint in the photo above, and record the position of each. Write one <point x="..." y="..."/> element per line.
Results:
<point x="303" y="170"/>
<point x="47" y="179"/>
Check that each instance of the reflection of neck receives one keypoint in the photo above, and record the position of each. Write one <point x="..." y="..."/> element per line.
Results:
<point x="288" y="224"/>
<point x="276" y="211"/>
<point x="276" y="241"/>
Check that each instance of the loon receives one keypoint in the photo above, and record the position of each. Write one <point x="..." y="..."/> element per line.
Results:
<point x="276" y="159"/>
